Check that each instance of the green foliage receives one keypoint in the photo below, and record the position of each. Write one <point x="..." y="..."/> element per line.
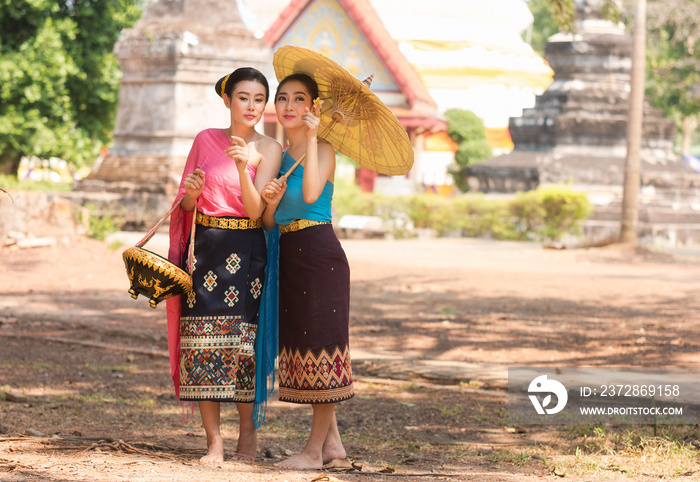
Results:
<point x="544" y="25"/>
<point x="563" y="12"/>
<point x="563" y="209"/>
<point x="551" y="212"/>
<point x="101" y="225"/>
<point x="11" y="182"/>
<point x="348" y="198"/>
<point x="59" y="77"/>
<point x="544" y="214"/>
<point x="552" y="16"/>
<point x="673" y="49"/>
<point x="673" y="58"/>
<point x="526" y="207"/>
<point x="466" y="129"/>
<point x="463" y="125"/>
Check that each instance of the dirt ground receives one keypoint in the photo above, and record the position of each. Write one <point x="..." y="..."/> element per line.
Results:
<point x="85" y="393"/>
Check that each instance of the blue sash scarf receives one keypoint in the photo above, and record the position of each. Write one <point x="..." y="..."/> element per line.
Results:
<point x="266" y="342"/>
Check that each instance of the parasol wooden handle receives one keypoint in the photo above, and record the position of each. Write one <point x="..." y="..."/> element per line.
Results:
<point x="294" y="166"/>
<point x="323" y="135"/>
<point x="301" y="158"/>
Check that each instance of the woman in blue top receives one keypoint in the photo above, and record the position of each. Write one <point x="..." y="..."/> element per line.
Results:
<point x="314" y="277"/>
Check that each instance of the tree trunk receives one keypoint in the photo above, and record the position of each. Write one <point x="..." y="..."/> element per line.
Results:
<point x="10" y="166"/>
<point x="630" y="193"/>
<point x="689" y="126"/>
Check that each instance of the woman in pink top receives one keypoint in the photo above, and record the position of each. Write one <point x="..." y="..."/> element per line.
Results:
<point x="212" y="329"/>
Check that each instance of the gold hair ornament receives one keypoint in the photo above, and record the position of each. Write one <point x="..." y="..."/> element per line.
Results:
<point x="223" y="85"/>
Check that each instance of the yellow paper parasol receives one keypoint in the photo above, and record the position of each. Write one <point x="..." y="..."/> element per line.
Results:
<point x="353" y="119"/>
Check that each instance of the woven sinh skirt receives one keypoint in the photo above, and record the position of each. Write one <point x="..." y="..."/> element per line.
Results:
<point x="220" y="315"/>
<point x="314" y="362"/>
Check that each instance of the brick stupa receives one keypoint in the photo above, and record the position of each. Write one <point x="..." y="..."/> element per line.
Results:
<point x="576" y="134"/>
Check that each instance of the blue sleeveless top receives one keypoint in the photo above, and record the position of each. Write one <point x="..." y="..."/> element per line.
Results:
<point x="292" y="206"/>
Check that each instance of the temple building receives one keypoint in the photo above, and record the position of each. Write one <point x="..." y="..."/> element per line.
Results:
<point x="466" y="54"/>
<point x="576" y="135"/>
<point x="171" y="60"/>
<point x="179" y="48"/>
<point x="350" y="33"/>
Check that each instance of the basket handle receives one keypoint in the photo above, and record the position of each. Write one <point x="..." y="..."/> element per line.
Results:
<point x="149" y="235"/>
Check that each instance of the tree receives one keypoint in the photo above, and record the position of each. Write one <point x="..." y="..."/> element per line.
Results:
<point x="467" y="130"/>
<point x="59" y="77"/>
<point x="673" y="78"/>
<point x="564" y="11"/>
<point x="544" y="24"/>
<point x="630" y="188"/>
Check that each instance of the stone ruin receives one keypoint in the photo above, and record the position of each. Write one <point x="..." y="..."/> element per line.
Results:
<point x="171" y="61"/>
<point x="576" y="133"/>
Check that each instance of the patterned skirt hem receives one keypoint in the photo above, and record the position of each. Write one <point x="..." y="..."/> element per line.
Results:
<point x="334" y="395"/>
<point x="187" y="394"/>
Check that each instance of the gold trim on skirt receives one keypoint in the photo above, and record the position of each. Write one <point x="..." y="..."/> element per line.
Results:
<point x="298" y="225"/>
<point x="226" y="223"/>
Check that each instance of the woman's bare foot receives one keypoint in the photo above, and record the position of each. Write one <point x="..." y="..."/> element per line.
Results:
<point x="333" y="448"/>
<point x="329" y="455"/>
<point x="215" y="452"/>
<point x="243" y="458"/>
<point x="301" y="461"/>
<point x="247" y="448"/>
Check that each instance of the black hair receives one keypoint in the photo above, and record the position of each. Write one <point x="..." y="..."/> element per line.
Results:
<point x="239" y="75"/>
<point x="308" y="82"/>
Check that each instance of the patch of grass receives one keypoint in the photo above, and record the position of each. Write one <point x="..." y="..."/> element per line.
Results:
<point x="35" y="365"/>
<point x="460" y="454"/>
<point x="411" y="387"/>
<point x="365" y="439"/>
<point x="100" y="397"/>
<point x="447" y="311"/>
<point x="413" y="447"/>
<point x="519" y="459"/>
<point x="579" y="430"/>
<point x="100" y="226"/>
<point x="368" y="385"/>
<point x="12" y="183"/>
<point x="630" y="450"/>
<point x="450" y="411"/>
<point x="108" y="368"/>
<point x="489" y="415"/>
<point x="290" y="432"/>
<point x="469" y="384"/>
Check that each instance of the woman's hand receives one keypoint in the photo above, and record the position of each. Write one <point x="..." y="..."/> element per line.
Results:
<point x="274" y="190"/>
<point x="312" y="119"/>
<point x="238" y="151"/>
<point x="194" y="183"/>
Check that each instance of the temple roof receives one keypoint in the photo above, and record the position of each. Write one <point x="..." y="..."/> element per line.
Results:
<point x="365" y="18"/>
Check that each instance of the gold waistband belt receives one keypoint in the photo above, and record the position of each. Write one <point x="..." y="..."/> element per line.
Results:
<point x="298" y="225"/>
<point x="225" y="223"/>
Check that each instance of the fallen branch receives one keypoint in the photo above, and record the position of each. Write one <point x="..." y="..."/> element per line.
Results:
<point x="121" y="446"/>
<point x="111" y="443"/>
<point x="10" y="465"/>
<point x="93" y="344"/>
<point x="437" y="474"/>
<point x="14" y="438"/>
<point x="13" y="201"/>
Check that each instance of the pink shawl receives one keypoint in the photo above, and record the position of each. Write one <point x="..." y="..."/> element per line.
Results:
<point x="221" y="196"/>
